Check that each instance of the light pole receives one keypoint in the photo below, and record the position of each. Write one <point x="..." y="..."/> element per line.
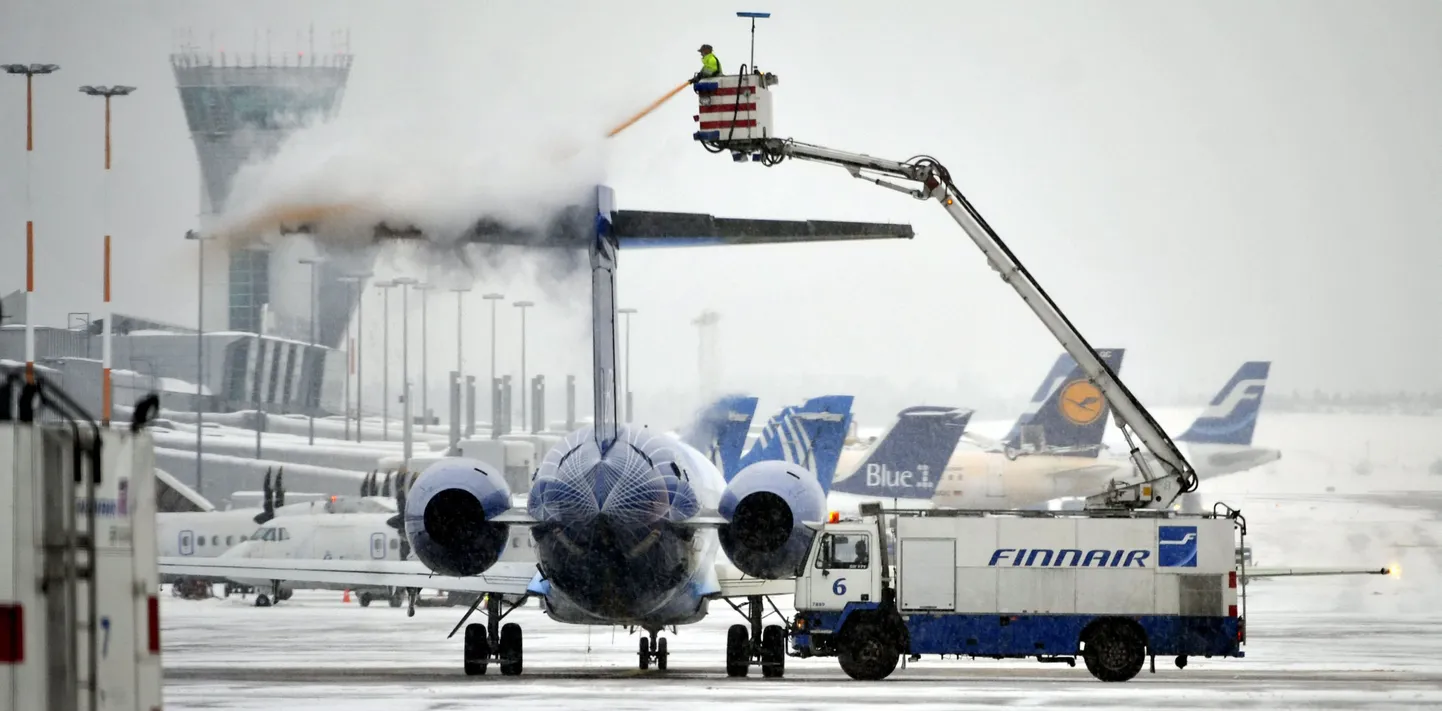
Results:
<point x="29" y="70"/>
<point x="200" y="353"/>
<point x="312" y="263"/>
<point x="262" y="390"/>
<point x="425" y="361"/>
<point x="385" y="287"/>
<point x="629" y="396"/>
<point x="106" y="393"/>
<point x="460" y="360"/>
<point x="405" y="283"/>
<point x="495" y="426"/>
<point x="525" y="384"/>
<point x="359" y="294"/>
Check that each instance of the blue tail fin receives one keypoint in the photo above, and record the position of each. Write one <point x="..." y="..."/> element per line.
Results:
<point x="1072" y="416"/>
<point x="811" y="435"/>
<point x="908" y="460"/>
<point x="719" y="431"/>
<point x="1232" y="415"/>
<point x="1053" y="380"/>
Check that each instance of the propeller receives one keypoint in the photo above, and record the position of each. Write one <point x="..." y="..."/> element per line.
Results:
<point x="397" y="521"/>
<point x="386" y="487"/>
<point x="279" y="489"/>
<point x="267" y="502"/>
<point x="365" y="485"/>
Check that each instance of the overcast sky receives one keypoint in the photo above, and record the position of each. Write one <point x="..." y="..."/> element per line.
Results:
<point x="1201" y="182"/>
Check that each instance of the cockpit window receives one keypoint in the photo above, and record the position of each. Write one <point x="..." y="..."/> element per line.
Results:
<point x="850" y="551"/>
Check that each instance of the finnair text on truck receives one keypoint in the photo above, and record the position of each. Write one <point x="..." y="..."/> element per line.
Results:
<point x="1070" y="558"/>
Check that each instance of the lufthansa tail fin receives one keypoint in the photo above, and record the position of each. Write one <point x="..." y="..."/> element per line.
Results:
<point x="811" y="435"/>
<point x="719" y="431"/>
<point x="1072" y="416"/>
<point x="908" y="459"/>
<point x="1231" y="418"/>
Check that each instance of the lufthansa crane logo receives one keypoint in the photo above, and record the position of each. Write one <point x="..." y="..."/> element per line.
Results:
<point x="1081" y="402"/>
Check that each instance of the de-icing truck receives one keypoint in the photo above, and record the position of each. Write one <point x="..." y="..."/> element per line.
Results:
<point x="1113" y="588"/>
<point x="79" y="611"/>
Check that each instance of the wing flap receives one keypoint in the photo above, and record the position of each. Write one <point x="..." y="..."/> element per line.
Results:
<point x="505" y="577"/>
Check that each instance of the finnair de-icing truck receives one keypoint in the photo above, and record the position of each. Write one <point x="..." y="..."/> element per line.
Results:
<point x="1113" y="590"/>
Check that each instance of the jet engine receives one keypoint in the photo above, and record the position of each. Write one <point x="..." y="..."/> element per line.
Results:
<point x="767" y="506"/>
<point x="449" y="512"/>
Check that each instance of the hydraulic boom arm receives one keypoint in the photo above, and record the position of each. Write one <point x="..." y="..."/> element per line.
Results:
<point x="1158" y="489"/>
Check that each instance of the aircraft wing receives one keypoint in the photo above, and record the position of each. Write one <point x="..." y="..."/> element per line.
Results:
<point x="1252" y="573"/>
<point x="505" y="577"/>
<point x="735" y="583"/>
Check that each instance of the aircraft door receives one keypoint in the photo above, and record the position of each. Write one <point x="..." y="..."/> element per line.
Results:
<point x="187" y="543"/>
<point x="378" y="545"/>
<point x="996" y="477"/>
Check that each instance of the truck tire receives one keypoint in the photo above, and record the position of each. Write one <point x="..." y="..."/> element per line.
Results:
<point x="866" y="654"/>
<point x="1116" y="652"/>
<point x="738" y="650"/>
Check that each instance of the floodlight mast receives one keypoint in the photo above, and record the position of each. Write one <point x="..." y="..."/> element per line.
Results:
<point x="1156" y="490"/>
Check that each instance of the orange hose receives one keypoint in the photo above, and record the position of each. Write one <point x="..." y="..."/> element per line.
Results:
<point x="654" y="105"/>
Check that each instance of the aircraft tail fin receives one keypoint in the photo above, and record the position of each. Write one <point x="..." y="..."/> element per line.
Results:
<point x="908" y="459"/>
<point x="719" y="431"/>
<point x="1231" y="417"/>
<point x="811" y="435"/>
<point x="1072" y="417"/>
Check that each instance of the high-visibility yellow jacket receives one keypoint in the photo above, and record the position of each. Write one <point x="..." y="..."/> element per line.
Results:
<point x="710" y="65"/>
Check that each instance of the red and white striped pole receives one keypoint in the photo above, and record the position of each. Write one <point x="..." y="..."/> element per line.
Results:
<point x="107" y="402"/>
<point x="29" y="70"/>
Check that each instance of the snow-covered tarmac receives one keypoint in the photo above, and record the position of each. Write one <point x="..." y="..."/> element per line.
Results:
<point x="1343" y="643"/>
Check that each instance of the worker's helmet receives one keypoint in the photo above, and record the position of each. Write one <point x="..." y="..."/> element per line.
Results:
<point x="705" y="49"/>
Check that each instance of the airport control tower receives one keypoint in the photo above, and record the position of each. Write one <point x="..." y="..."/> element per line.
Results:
<point x="240" y="107"/>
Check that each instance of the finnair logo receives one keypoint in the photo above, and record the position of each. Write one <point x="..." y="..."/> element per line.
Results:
<point x="1177" y="546"/>
<point x="1243" y="391"/>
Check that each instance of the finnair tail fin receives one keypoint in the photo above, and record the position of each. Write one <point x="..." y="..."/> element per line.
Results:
<point x="1231" y="418"/>
<point x="908" y="459"/>
<point x="719" y="431"/>
<point x="811" y="435"/>
<point x="1068" y="414"/>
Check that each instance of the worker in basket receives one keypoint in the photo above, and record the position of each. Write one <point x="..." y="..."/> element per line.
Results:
<point x="710" y="65"/>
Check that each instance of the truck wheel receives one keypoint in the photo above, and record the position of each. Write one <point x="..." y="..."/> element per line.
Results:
<point x="773" y="652"/>
<point x="1115" y="653"/>
<point x="866" y="655"/>
<point x="397" y="597"/>
<point x="262" y="600"/>
<point x="511" y="649"/>
<point x="477" y="649"/>
<point x="738" y="650"/>
<point x="365" y="599"/>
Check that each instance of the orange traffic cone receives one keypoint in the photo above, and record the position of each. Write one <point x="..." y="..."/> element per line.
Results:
<point x="346" y="599"/>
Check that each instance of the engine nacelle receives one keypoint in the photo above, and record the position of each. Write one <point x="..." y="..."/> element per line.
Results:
<point x="448" y="516"/>
<point x="767" y="506"/>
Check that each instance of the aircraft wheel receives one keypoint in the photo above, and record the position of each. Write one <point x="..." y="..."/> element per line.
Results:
<point x="477" y="649"/>
<point x="397" y="597"/>
<point x="511" y="649"/>
<point x="644" y="656"/>
<point x="661" y="654"/>
<point x="773" y="652"/>
<point x="262" y="600"/>
<point x="738" y="650"/>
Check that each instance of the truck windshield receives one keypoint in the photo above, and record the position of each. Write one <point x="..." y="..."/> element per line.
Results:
<point x="846" y="551"/>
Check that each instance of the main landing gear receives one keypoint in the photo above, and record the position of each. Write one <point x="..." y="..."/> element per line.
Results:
<point x="754" y="644"/>
<point x="277" y="594"/>
<point x="653" y="650"/>
<point x="492" y="642"/>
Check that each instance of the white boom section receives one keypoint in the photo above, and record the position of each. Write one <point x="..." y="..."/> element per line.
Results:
<point x="1157" y="490"/>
